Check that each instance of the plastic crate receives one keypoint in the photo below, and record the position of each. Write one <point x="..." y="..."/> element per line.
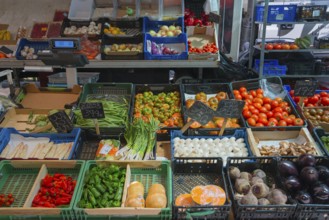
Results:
<point x="271" y="68"/>
<point x="130" y="27"/>
<point x="268" y="165"/>
<point x="83" y="78"/>
<point x="277" y="13"/>
<point x="74" y="136"/>
<point x="148" y="173"/>
<point x="311" y="12"/>
<point x="238" y="133"/>
<point x="310" y="211"/>
<point x="318" y="133"/>
<point x="211" y="89"/>
<point x="78" y="24"/>
<point x="275" y="87"/>
<point x="37" y="45"/>
<point x="302" y="67"/>
<point x="178" y="43"/>
<point x="149" y="24"/>
<point x="111" y="92"/>
<point x="106" y="41"/>
<point x="187" y="175"/>
<point x="19" y="177"/>
<point x="81" y="10"/>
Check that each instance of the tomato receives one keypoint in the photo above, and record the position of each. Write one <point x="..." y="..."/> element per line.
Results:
<point x="269" y="46"/>
<point x="256" y="117"/>
<point x="238" y="97"/>
<point x="259" y="91"/>
<point x="313" y="100"/>
<point x="285" y="115"/>
<point x="271" y="124"/>
<point x="245" y="107"/>
<point x="325" y="101"/>
<point x="248" y="101"/>
<point x="266" y="100"/>
<point x="269" y="114"/>
<point x="292" y="93"/>
<point x="277" y="47"/>
<point x="296" y="99"/>
<point x="289" y="120"/>
<point x="255" y="111"/>
<point x="253" y="93"/>
<point x="246" y="114"/>
<point x="260" y="96"/>
<point x="292" y="117"/>
<point x="285" y="47"/>
<point x="259" y="125"/>
<point x="251" y="121"/>
<point x="273" y="120"/>
<point x="282" y="123"/>
<point x="244" y="94"/>
<point x="278" y="116"/>
<point x="262" y="115"/>
<point x="251" y="107"/>
<point x="274" y="104"/>
<point x="250" y="97"/>
<point x="277" y="109"/>
<point x="298" y="122"/>
<point x="278" y="99"/>
<point x="257" y="105"/>
<point x="263" y="109"/>
<point x="236" y="92"/>
<point x="305" y="101"/>
<point x="258" y="100"/>
<point x="263" y="121"/>
<point x="287" y="109"/>
<point x="268" y="107"/>
<point x="242" y="89"/>
<point x="309" y="105"/>
<point x="293" y="47"/>
<point x="324" y="94"/>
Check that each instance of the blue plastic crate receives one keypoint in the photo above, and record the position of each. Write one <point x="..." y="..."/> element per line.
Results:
<point x="149" y="24"/>
<point x="74" y="136"/>
<point x="277" y="13"/>
<point x="182" y="38"/>
<point x="271" y="68"/>
<point x="37" y="45"/>
<point x="238" y="133"/>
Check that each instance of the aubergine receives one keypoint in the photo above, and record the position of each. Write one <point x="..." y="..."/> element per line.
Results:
<point x="323" y="172"/>
<point x="287" y="168"/>
<point x="304" y="197"/>
<point x="292" y="184"/>
<point x="309" y="175"/>
<point x="306" y="160"/>
<point x="320" y="193"/>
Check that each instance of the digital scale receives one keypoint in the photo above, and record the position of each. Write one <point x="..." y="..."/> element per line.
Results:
<point x="64" y="52"/>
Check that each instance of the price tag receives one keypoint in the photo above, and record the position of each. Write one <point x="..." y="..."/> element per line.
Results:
<point x="305" y="88"/>
<point x="229" y="108"/>
<point x="198" y="112"/>
<point x="214" y="17"/>
<point x="92" y="110"/>
<point x="61" y="122"/>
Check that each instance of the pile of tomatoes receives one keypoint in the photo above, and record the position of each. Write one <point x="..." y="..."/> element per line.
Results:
<point x="6" y="200"/>
<point x="260" y="111"/>
<point x="281" y="46"/>
<point x="321" y="99"/>
<point x="208" y="48"/>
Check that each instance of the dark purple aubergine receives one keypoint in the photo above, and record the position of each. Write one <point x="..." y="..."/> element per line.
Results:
<point x="304" y="197"/>
<point x="287" y="168"/>
<point x="323" y="172"/>
<point x="309" y="175"/>
<point x="292" y="184"/>
<point x="306" y="160"/>
<point x="320" y="193"/>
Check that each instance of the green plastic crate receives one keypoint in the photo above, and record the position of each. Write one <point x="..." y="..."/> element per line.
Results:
<point x="19" y="181"/>
<point x="147" y="174"/>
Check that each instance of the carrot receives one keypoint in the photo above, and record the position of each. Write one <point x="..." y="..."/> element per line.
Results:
<point x="184" y="200"/>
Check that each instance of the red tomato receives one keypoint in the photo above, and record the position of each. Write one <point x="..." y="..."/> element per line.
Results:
<point x="284" y="103"/>
<point x="263" y="109"/>
<point x="256" y="117"/>
<point x="269" y="46"/>
<point x="259" y="125"/>
<point x="282" y="123"/>
<point x="248" y="101"/>
<point x="257" y="105"/>
<point x="278" y="99"/>
<point x="253" y="93"/>
<point x="313" y="100"/>
<point x="271" y="124"/>
<point x="250" y="97"/>
<point x="258" y="100"/>
<point x="236" y="92"/>
<point x="260" y="96"/>
<point x="263" y="121"/>
<point x="278" y="116"/>
<point x="324" y="94"/>
<point x="251" y="107"/>
<point x="277" y="47"/>
<point x="259" y="91"/>
<point x="251" y="121"/>
<point x="309" y="105"/>
<point x="274" y="104"/>
<point x="296" y="99"/>
<point x="242" y="89"/>
<point x="292" y="117"/>
<point x="292" y="93"/>
<point x="238" y="97"/>
<point x="246" y="114"/>
<point x="255" y="111"/>
<point x="262" y="115"/>
<point x="325" y="101"/>
<point x="267" y="106"/>
<point x="273" y="120"/>
<point x="298" y="122"/>
<point x="244" y="94"/>
<point x="285" y="115"/>
<point x="266" y="100"/>
<point x="269" y="114"/>
<point x="277" y="109"/>
<point x="306" y="101"/>
<point x="289" y="120"/>
<point x="287" y="109"/>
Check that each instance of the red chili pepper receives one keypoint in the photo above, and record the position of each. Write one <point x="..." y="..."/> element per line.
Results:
<point x="62" y="201"/>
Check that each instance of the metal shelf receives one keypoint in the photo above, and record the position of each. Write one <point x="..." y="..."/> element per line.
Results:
<point x="293" y="22"/>
<point x="294" y="51"/>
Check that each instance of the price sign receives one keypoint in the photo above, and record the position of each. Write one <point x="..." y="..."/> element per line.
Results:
<point x="92" y="110"/>
<point x="214" y="17"/>
<point x="305" y="88"/>
<point x="61" y="122"/>
<point x="229" y="108"/>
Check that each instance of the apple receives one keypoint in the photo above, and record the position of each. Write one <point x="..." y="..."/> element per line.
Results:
<point x="172" y="28"/>
<point x="170" y="34"/>
<point x="164" y="28"/>
<point x="152" y="33"/>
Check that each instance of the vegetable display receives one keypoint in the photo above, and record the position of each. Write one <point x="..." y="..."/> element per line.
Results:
<point x="103" y="187"/>
<point x="306" y="180"/>
<point x="260" y="111"/>
<point x="320" y="99"/>
<point x="135" y="195"/>
<point x="208" y="48"/>
<point x="107" y="149"/>
<point x="288" y="149"/>
<point x="56" y="190"/>
<point x="123" y="48"/>
<point x="91" y="29"/>
<point x="116" y="112"/>
<point x="255" y="188"/>
<point x="281" y="46"/>
<point x="165" y="31"/>
<point x="191" y="20"/>
<point x="162" y="49"/>
<point x="6" y="200"/>
<point x="164" y="107"/>
<point x="315" y="116"/>
<point x="325" y="141"/>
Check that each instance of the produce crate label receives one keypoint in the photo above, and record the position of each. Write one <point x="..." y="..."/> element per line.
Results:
<point x="305" y="88"/>
<point x="61" y="122"/>
<point x="92" y="110"/>
<point x="229" y="108"/>
<point x="200" y="113"/>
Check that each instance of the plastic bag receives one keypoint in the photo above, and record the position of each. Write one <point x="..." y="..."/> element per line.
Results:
<point x="107" y="149"/>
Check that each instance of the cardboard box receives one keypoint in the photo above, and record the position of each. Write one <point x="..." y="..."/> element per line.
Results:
<point x="199" y="37"/>
<point x="258" y="138"/>
<point x="44" y="98"/>
<point x="7" y="42"/>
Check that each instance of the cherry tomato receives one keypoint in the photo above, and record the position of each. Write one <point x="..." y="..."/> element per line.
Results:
<point x="296" y="99"/>
<point x="277" y="109"/>
<point x="249" y="97"/>
<point x="251" y="107"/>
<point x="236" y="92"/>
<point x="313" y="100"/>
<point x="287" y="109"/>
<point x="251" y="121"/>
<point x="285" y="115"/>
<point x="325" y="101"/>
<point x="244" y="94"/>
<point x="260" y="96"/>
<point x="271" y="124"/>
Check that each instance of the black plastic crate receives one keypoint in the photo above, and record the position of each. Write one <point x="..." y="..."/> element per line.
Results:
<point x="187" y="174"/>
<point x="106" y="41"/>
<point x="156" y="89"/>
<point x="68" y="23"/>
<point x="322" y="43"/>
<point x="132" y="28"/>
<point x="269" y="166"/>
<point x="274" y="84"/>
<point x="317" y="134"/>
<point x="209" y="89"/>
<point x="322" y="68"/>
<point x="311" y="12"/>
<point x="310" y="211"/>
<point x="304" y="67"/>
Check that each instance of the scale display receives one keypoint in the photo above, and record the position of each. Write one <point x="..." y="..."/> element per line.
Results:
<point x="65" y="44"/>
